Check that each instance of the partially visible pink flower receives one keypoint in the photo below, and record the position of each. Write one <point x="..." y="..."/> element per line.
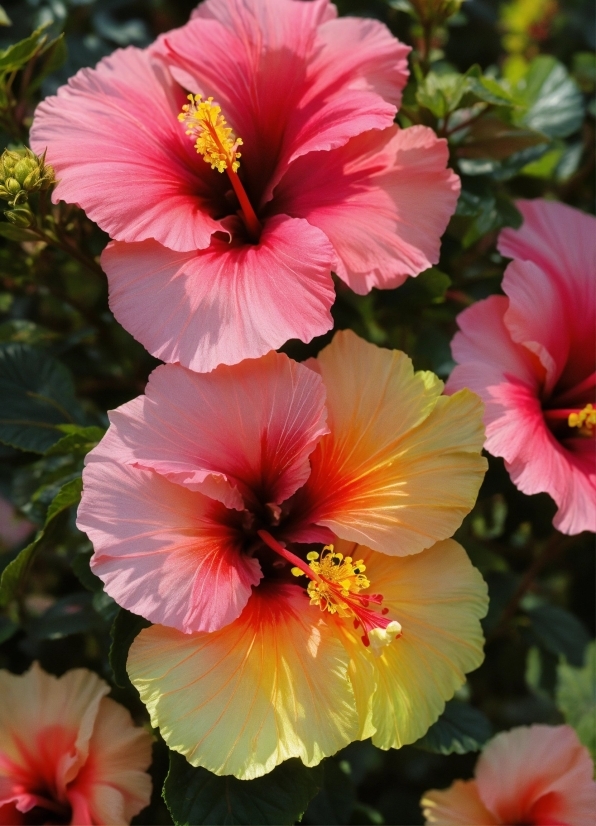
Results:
<point x="536" y="775"/>
<point x="68" y="753"/>
<point x="531" y="356"/>
<point x="215" y="265"/>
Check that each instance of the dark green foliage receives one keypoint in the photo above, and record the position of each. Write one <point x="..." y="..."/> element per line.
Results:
<point x="38" y="396"/>
<point x="460" y="728"/>
<point x="195" y="796"/>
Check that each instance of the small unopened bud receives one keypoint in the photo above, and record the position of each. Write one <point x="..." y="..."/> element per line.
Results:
<point x="20" y="216"/>
<point x="21" y="173"/>
<point x="12" y="185"/>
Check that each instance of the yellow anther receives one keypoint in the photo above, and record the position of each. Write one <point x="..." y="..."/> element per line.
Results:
<point x="336" y="577"/>
<point x="215" y="140"/>
<point x="584" y="420"/>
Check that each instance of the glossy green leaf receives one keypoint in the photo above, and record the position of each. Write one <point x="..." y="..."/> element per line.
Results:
<point x="553" y="99"/>
<point x="195" y="796"/>
<point x="37" y="395"/>
<point x="491" y="91"/>
<point x="78" y="440"/>
<point x="441" y="93"/>
<point x="576" y="697"/>
<point x="460" y="729"/>
<point x="17" y="55"/>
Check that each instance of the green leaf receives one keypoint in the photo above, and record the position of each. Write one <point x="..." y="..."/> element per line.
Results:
<point x="559" y="632"/>
<point x="334" y="804"/>
<point x="14" y="573"/>
<point x="16" y="56"/>
<point x="576" y="697"/>
<point x="500" y="213"/>
<point x="460" y="729"/>
<point x="554" y="101"/>
<point x="69" y="494"/>
<point x="441" y="94"/>
<point x="37" y="395"/>
<point x="125" y="628"/>
<point x="78" y="440"/>
<point x="489" y="90"/>
<point x="14" y="233"/>
<point x="4" y="18"/>
<point x="195" y="796"/>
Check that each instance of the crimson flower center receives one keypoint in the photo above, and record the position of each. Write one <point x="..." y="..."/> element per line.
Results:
<point x="568" y="414"/>
<point x="218" y="145"/>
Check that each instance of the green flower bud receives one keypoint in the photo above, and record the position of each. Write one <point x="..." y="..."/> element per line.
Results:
<point x="9" y="160"/>
<point x="20" y="217"/>
<point x="12" y="185"/>
<point x="23" y="172"/>
<point x="24" y="168"/>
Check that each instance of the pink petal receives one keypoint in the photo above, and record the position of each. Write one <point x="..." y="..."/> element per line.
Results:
<point x="251" y="426"/>
<point x="383" y="200"/>
<point x="553" y="292"/>
<point x="162" y="551"/>
<point x="557" y="238"/>
<point x="136" y="438"/>
<point x="287" y="90"/>
<point x="120" y="153"/>
<point x="359" y="53"/>
<point x="537" y="774"/>
<point x="228" y="302"/>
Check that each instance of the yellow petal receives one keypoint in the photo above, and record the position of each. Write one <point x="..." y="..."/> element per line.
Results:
<point x="401" y="466"/>
<point x="269" y="686"/>
<point x="438" y="598"/>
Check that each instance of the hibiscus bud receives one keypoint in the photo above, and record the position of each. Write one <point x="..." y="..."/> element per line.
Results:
<point x="436" y="11"/>
<point x="21" y="173"/>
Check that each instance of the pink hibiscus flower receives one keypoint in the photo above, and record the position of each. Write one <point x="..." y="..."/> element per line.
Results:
<point x="68" y="753"/>
<point x="531" y="356"/>
<point x="207" y="503"/>
<point x="538" y="775"/>
<point x="220" y="261"/>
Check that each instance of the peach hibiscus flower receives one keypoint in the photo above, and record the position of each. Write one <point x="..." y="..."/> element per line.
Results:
<point x="68" y="753"/>
<point x="539" y="775"/>
<point x="306" y="173"/>
<point x="531" y="356"/>
<point x="208" y="502"/>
